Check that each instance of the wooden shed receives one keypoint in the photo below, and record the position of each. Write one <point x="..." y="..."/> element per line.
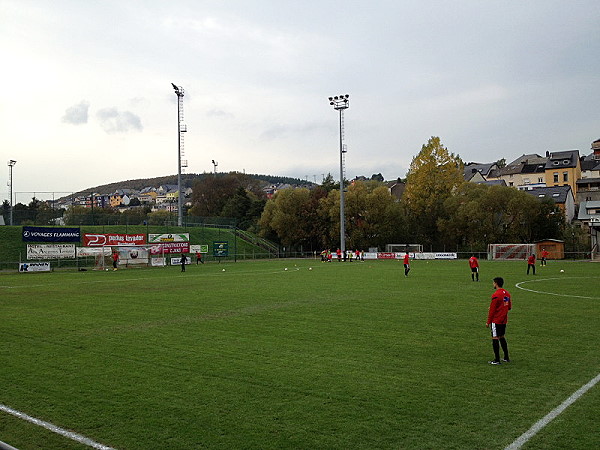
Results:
<point x="554" y="247"/>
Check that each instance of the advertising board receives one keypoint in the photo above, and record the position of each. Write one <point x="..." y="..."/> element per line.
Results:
<point x="170" y="247"/>
<point x="100" y="240"/>
<point x="175" y="237"/>
<point x="34" y="267"/>
<point x="51" y="234"/>
<point x="50" y="251"/>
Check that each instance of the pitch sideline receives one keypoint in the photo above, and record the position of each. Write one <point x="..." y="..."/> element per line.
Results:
<point x="521" y="440"/>
<point x="55" y="429"/>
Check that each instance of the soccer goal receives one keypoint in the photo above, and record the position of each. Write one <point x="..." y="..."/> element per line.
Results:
<point x="510" y="251"/>
<point x="401" y="248"/>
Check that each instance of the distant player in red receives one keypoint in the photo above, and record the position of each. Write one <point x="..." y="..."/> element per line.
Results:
<point x="474" y="265"/>
<point x="531" y="263"/>
<point x="497" y="319"/>
<point x="406" y="264"/>
<point x="338" y="252"/>
<point x="544" y="256"/>
<point x="115" y="258"/>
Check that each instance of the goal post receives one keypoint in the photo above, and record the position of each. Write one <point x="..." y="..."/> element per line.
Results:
<point x="510" y="251"/>
<point x="401" y="248"/>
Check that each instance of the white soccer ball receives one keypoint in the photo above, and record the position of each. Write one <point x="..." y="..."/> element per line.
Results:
<point x="223" y="270"/>
<point x="310" y="268"/>
<point x="285" y="268"/>
<point x="107" y="270"/>
<point x="562" y="271"/>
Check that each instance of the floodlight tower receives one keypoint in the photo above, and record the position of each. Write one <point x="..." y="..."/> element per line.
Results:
<point x="181" y="128"/>
<point x="215" y="164"/>
<point x="11" y="164"/>
<point x="340" y="103"/>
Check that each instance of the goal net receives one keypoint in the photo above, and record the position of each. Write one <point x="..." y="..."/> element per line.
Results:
<point x="510" y="251"/>
<point x="401" y="248"/>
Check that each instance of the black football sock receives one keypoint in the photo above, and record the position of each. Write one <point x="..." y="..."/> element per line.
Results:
<point x="504" y="345"/>
<point x="496" y="347"/>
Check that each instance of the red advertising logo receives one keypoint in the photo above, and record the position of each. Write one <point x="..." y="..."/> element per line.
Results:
<point x="100" y="240"/>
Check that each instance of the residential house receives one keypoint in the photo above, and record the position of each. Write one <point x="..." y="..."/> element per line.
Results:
<point x="476" y="172"/>
<point x="396" y="188"/>
<point x="121" y="197"/>
<point x="525" y="173"/>
<point x="589" y="216"/>
<point x="562" y="196"/>
<point x="563" y="169"/>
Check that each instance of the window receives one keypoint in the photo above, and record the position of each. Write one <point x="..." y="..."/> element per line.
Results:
<point x="565" y="176"/>
<point x="556" y="163"/>
<point x="556" y="177"/>
<point x="556" y="194"/>
<point x="526" y="181"/>
<point x="566" y="161"/>
<point x="540" y="179"/>
<point x="510" y="183"/>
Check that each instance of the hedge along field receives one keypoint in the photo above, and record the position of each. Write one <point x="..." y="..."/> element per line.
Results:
<point x="321" y="355"/>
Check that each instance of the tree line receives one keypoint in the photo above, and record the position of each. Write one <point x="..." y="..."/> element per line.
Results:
<point x="438" y="209"/>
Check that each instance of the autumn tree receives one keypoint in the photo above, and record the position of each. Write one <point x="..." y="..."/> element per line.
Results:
<point x="433" y="176"/>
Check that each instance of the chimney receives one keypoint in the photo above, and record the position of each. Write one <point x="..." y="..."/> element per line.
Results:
<point x="547" y="154"/>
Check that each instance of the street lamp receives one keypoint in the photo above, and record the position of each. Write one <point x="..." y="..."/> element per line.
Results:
<point x="179" y="92"/>
<point x="11" y="164"/>
<point x="340" y="103"/>
<point x="215" y="164"/>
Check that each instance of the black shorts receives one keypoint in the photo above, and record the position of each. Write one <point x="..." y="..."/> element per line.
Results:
<point x="498" y="330"/>
<point x="474" y="269"/>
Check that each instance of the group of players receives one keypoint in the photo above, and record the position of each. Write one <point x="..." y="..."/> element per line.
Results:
<point x="351" y="255"/>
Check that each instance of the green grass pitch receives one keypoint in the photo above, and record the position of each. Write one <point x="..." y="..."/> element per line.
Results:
<point x="346" y="355"/>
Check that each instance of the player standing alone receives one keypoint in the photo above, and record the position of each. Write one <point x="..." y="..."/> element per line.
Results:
<point x="531" y="263"/>
<point x="497" y="319"/>
<point x="474" y="265"/>
<point x="406" y="264"/>
<point x="544" y="256"/>
<point x="115" y="258"/>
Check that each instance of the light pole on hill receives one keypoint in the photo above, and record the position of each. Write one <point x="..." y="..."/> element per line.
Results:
<point x="11" y="164"/>
<point x="340" y="103"/>
<point x="215" y="164"/>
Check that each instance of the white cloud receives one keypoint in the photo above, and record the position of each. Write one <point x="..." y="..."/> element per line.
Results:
<point x="77" y="114"/>
<point x="114" y="121"/>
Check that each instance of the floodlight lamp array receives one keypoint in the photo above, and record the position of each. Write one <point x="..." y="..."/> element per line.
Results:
<point x="339" y="101"/>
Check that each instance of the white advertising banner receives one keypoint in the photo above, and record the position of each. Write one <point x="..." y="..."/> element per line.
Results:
<point x="446" y="256"/>
<point x="50" y="251"/>
<point x="158" y="262"/>
<point x="93" y="251"/>
<point x="34" y="267"/>
<point x="159" y="238"/>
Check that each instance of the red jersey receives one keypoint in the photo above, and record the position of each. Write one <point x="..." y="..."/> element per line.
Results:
<point x="406" y="259"/>
<point x="531" y="259"/>
<point x="115" y="256"/>
<point x="544" y="254"/>
<point x="499" y="307"/>
<point x="473" y="263"/>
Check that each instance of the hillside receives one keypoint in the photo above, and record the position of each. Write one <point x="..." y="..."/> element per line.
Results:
<point x="187" y="180"/>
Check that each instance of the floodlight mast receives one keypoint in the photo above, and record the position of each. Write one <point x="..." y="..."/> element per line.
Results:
<point x="215" y="164"/>
<point x="11" y="164"/>
<point x="179" y="92"/>
<point x="340" y="103"/>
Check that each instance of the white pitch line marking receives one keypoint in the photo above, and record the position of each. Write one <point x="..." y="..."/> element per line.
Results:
<point x="518" y="285"/>
<point x="552" y="415"/>
<point x="58" y="430"/>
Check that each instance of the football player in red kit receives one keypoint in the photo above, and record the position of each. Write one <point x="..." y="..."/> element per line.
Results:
<point x="531" y="263"/>
<point x="474" y="265"/>
<point x="497" y="319"/>
<point x="406" y="264"/>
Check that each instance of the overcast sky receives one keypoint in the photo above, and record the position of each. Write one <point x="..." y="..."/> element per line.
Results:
<point x="87" y="96"/>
